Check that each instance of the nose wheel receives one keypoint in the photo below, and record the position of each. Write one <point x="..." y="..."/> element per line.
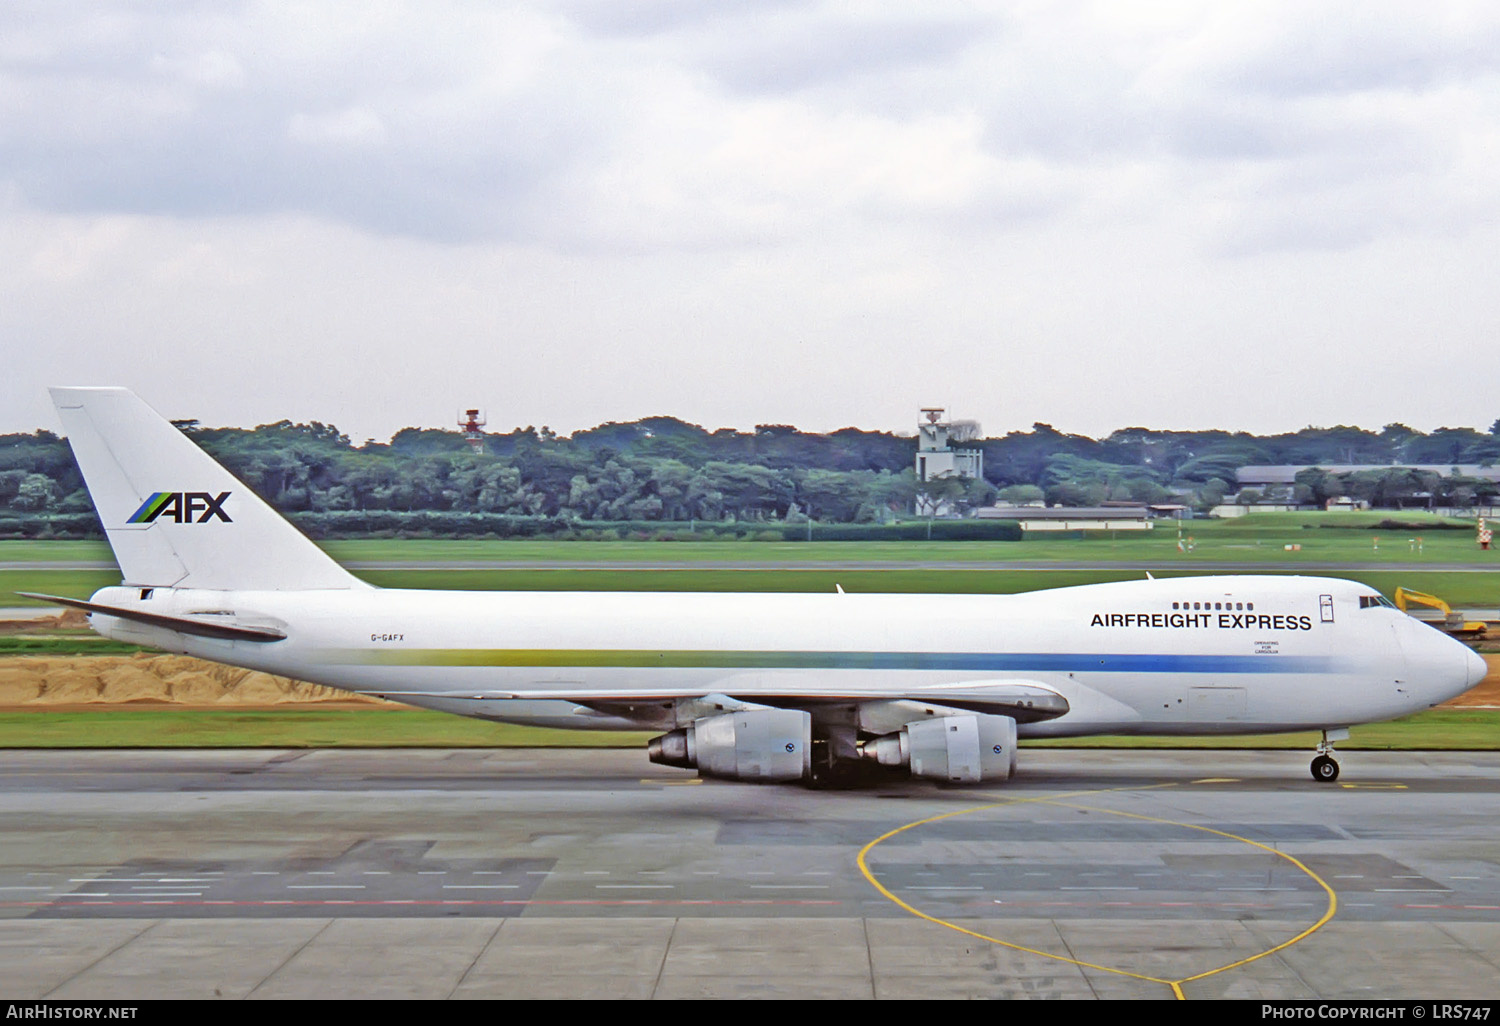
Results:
<point x="1325" y="769"/>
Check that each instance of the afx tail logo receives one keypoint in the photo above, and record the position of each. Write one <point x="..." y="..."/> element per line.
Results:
<point x="182" y="507"/>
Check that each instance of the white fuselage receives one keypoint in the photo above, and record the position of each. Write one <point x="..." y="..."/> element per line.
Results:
<point x="1173" y="656"/>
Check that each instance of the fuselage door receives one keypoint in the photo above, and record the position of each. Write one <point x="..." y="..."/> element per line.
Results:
<point x="1214" y="705"/>
<point x="1325" y="608"/>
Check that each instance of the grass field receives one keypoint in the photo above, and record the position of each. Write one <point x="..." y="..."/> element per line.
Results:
<point x="1323" y="537"/>
<point x="12" y="551"/>
<point x="68" y="583"/>
<point x="1443" y="729"/>
<point x="292" y="727"/>
<point x="1260" y="539"/>
<point x="64" y="645"/>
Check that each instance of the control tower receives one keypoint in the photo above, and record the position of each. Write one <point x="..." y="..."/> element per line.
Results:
<point x="937" y="459"/>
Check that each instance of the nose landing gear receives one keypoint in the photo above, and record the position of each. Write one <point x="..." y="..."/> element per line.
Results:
<point x="1325" y="769"/>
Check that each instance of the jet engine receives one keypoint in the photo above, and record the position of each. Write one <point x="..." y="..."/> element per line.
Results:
<point x="754" y="744"/>
<point x="962" y="749"/>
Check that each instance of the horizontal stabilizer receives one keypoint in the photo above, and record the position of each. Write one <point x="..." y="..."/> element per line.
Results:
<point x="199" y="626"/>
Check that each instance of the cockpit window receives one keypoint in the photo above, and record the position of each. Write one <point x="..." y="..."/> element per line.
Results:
<point x="1375" y="601"/>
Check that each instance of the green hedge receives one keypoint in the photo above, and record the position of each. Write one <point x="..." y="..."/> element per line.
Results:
<point x="49" y="525"/>
<point x="448" y="524"/>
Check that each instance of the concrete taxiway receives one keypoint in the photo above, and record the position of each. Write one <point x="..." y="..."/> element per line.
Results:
<point x="502" y="873"/>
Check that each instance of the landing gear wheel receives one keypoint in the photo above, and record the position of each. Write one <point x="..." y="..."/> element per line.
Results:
<point x="1325" y="770"/>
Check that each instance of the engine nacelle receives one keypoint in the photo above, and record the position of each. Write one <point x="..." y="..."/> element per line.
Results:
<point x="756" y="744"/>
<point x="962" y="749"/>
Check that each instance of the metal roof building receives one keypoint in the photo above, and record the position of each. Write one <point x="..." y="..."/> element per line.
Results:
<point x="1286" y="474"/>
<point x="1072" y="518"/>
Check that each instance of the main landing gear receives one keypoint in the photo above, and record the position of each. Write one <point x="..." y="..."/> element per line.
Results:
<point x="1325" y="769"/>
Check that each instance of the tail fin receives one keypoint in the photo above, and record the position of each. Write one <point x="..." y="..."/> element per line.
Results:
<point x="175" y="517"/>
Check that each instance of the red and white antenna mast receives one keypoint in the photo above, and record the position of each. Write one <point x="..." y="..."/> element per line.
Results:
<point x="472" y="421"/>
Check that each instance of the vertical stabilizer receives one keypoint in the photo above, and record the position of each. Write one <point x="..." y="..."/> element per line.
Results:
<point x="175" y="517"/>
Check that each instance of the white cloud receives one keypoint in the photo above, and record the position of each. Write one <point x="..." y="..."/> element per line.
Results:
<point x="354" y="127"/>
<point x="209" y="69"/>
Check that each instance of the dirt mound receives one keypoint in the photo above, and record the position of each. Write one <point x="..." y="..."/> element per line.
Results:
<point x="70" y="619"/>
<point x="132" y="682"/>
<point x="153" y="679"/>
<point x="18" y="684"/>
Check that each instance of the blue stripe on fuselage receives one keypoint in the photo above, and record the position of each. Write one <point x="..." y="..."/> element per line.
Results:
<point x="1074" y="662"/>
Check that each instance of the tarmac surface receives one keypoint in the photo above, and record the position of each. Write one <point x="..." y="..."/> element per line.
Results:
<point x="573" y="873"/>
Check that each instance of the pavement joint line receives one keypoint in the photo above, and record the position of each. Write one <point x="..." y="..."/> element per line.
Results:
<point x="153" y="924"/>
<point x="864" y="925"/>
<point x="1484" y="954"/>
<point x="1057" y="800"/>
<point x="287" y="961"/>
<point x="500" y="925"/>
<point x="1138" y="904"/>
<point x="315" y="902"/>
<point x="666" y="950"/>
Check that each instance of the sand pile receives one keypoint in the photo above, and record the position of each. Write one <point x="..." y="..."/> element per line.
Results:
<point x="154" y="679"/>
<point x="70" y="619"/>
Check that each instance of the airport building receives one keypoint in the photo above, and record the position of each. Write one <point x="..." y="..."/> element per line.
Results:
<point x="1072" y="518"/>
<point x="1277" y="482"/>
<point x="1285" y="475"/>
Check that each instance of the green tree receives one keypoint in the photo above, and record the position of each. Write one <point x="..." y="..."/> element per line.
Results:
<point x="36" y="494"/>
<point x="1020" y="494"/>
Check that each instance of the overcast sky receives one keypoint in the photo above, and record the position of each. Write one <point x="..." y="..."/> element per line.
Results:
<point x="1252" y="215"/>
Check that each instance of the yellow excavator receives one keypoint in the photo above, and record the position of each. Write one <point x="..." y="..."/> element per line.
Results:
<point x="1451" y="622"/>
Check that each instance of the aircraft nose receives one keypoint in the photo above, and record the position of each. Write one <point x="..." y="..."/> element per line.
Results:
<point x="1439" y="667"/>
<point x="1478" y="668"/>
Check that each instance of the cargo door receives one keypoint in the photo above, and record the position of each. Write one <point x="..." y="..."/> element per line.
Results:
<point x="1213" y="704"/>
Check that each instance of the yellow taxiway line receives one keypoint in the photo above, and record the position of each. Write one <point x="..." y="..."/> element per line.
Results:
<point x="1058" y="800"/>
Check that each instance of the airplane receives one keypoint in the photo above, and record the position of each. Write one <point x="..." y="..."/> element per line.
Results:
<point x="824" y="689"/>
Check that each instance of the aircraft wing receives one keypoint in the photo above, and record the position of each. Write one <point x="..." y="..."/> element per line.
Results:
<point x="1025" y="701"/>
